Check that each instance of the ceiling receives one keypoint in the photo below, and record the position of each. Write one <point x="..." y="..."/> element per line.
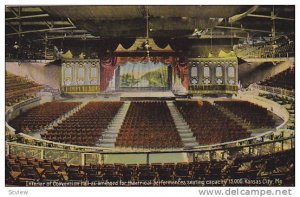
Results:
<point x="106" y="22"/>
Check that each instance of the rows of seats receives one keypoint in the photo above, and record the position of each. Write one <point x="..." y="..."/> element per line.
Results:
<point x="148" y="125"/>
<point x="209" y="124"/>
<point x="288" y="103"/>
<point x="256" y="116"/>
<point x="260" y="50"/>
<point x="18" y="89"/>
<point x="285" y="80"/>
<point x="286" y="49"/>
<point x="85" y="127"/>
<point x="279" y="166"/>
<point x="40" y="116"/>
<point x="283" y="47"/>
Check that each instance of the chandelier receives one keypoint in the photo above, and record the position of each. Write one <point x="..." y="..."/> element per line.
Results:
<point x="145" y="45"/>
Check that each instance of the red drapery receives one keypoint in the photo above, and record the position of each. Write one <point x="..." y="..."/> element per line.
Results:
<point x="110" y="64"/>
<point x="181" y="68"/>
<point x="107" y="68"/>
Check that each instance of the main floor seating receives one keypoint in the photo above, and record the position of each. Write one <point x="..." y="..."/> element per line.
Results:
<point x="209" y="124"/>
<point x="40" y="116"/>
<point x="256" y="116"/>
<point x="85" y="126"/>
<point x="148" y="125"/>
<point x="285" y="80"/>
<point x="18" y="88"/>
<point x="252" y="170"/>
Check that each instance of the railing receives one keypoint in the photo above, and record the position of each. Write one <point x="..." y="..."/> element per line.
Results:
<point x="26" y="144"/>
<point x="9" y="130"/>
<point x="26" y="102"/>
<point x="270" y="105"/>
<point x="266" y="51"/>
<point x="16" y="106"/>
<point x="269" y="135"/>
<point x="213" y="89"/>
<point x="28" y="60"/>
<point x="83" y="157"/>
<point x="274" y="90"/>
<point x="54" y="91"/>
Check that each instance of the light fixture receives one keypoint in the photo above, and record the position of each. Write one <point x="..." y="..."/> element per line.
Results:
<point x="145" y="46"/>
<point x="231" y="40"/>
<point x="16" y="46"/>
<point x="199" y="32"/>
<point x="146" y="42"/>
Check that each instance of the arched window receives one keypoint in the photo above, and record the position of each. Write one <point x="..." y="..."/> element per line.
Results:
<point x="206" y="72"/>
<point x="80" y="75"/>
<point x="93" y="71"/>
<point x="231" y="72"/>
<point x="194" y="71"/>
<point x="219" y="72"/>
<point x="68" y="72"/>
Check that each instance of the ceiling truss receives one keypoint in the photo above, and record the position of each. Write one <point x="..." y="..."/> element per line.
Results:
<point x="22" y="21"/>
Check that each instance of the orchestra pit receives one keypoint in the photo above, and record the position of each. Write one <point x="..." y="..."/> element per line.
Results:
<point x="150" y="95"/>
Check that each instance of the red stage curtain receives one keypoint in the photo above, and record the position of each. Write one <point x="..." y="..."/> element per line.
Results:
<point x="181" y="68"/>
<point x="107" y="68"/>
<point x="110" y="64"/>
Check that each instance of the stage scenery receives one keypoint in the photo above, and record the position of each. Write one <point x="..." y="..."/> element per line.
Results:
<point x="150" y="96"/>
<point x="148" y="75"/>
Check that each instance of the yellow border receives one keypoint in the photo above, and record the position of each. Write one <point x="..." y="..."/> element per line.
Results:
<point x="82" y="89"/>
<point x="225" y="91"/>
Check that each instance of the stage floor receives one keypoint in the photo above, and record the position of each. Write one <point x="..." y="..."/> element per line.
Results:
<point x="125" y="96"/>
<point x="135" y="96"/>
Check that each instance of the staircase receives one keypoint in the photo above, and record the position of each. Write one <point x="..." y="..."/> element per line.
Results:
<point x="59" y="120"/>
<point x="186" y="134"/>
<point x="67" y="115"/>
<point x="109" y="136"/>
<point x="234" y="117"/>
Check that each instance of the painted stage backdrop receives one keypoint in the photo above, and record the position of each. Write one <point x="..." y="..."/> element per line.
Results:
<point x="143" y="75"/>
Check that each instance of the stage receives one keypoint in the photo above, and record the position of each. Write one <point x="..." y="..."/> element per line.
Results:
<point x="146" y="96"/>
<point x="130" y="96"/>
